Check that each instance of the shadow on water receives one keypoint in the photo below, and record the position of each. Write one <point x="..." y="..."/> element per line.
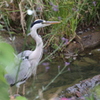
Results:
<point x="86" y="66"/>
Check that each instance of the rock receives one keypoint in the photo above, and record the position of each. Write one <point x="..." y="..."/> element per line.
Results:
<point x="88" y="39"/>
<point x="83" y="88"/>
<point x="81" y="63"/>
<point x="96" y="51"/>
<point x="89" y="60"/>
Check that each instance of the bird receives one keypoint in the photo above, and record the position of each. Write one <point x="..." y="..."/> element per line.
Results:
<point x="27" y="61"/>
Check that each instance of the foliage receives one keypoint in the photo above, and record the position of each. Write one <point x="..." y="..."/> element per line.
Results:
<point x="90" y="98"/>
<point x="3" y="86"/>
<point x="71" y="13"/>
<point x="6" y="58"/>
<point x="1" y="27"/>
<point x="6" y="54"/>
<point x="21" y="98"/>
<point x="96" y="92"/>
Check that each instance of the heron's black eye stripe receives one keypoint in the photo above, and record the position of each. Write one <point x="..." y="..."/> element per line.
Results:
<point x="39" y="21"/>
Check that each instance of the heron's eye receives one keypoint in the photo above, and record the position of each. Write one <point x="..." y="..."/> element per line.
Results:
<point x="43" y="21"/>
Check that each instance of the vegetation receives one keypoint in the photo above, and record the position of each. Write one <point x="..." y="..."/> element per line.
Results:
<point x="17" y="15"/>
<point x="6" y="58"/>
<point x="71" y="13"/>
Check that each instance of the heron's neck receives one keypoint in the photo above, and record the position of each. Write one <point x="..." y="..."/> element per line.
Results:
<point x="37" y="53"/>
<point x="37" y="38"/>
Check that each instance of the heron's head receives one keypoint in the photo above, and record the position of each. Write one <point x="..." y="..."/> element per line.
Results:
<point x="39" y="23"/>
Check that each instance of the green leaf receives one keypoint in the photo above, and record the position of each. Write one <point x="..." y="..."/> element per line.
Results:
<point x="21" y="98"/>
<point x="3" y="86"/>
<point x="1" y="26"/>
<point x="4" y="95"/>
<point x="2" y="72"/>
<point x="6" y="54"/>
<point x="97" y="91"/>
<point x="6" y="59"/>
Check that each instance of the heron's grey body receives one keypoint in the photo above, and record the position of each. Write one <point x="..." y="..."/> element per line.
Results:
<point x="27" y="61"/>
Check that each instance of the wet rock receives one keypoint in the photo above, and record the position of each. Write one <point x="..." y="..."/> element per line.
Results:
<point x="82" y="54"/>
<point x="89" y="39"/>
<point x="81" y="63"/>
<point x="83" y="88"/>
<point x="89" y="60"/>
<point x="80" y="32"/>
<point x="96" y="51"/>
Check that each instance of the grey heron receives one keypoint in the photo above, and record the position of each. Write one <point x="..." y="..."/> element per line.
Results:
<point x="27" y="61"/>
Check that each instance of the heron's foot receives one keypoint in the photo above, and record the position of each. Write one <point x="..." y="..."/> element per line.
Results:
<point x="12" y="97"/>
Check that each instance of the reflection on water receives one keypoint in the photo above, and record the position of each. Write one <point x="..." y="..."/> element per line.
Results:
<point x="86" y="66"/>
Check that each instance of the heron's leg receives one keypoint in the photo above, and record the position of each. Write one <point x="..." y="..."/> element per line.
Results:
<point x="17" y="90"/>
<point x="23" y="89"/>
<point x="10" y="90"/>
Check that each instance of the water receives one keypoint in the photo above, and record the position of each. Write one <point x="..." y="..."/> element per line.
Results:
<point x="85" y="66"/>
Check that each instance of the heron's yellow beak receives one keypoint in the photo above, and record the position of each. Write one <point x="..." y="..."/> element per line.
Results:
<point x="51" y="22"/>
